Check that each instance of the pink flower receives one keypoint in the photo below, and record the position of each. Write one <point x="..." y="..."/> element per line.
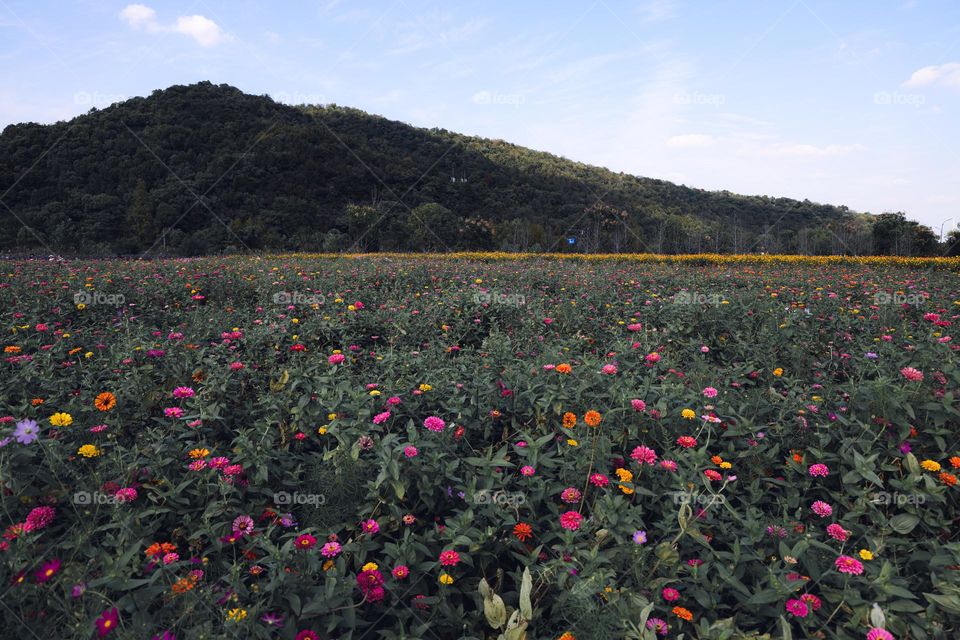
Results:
<point x="911" y="374"/>
<point x="171" y="557"/>
<point x="449" y="558"/>
<point x="330" y="549"/>
<point x="236" y="366"/>
<point x="811" y="600"/>
<point x="410" y="451"/>
<point x="670" y="594"/>
<point x="819" y="470"/>
<point x="797" y="608"/>
<point x="837" y="532"/>
<point x="644" y="454"/>
<point x="669" y="465"/>
<point x="336" y="358"/>
<point x="380" y="418"/>
<point x="713" y="475"/>
<point x="846" y="564"/>
<point x="599" y="480"/>
<point x="433" y="423"/>
<point x="527" y="470"/>
<point x="653" y="358"/>
<point x="126" y="494"/>
<point x="638" y="405"/>
<point x="183" y="392"/>
<point x="401" y="571"/>
<point x="370" y="526"/>
<point x="570" y="495"/>
<point x="821" y="508"/>
<point x="609" y="369"/>
<point x="634" y="327"/>
<point x="710" y="392"/>
<point x="197" y="465"/>
<point x="39" y="518"/>
<point x="687" y="442"/>
<point x="393" y="400"/>
<point x="571" y="520"/>
<point x="173" y="412"/>
<point x="876" y="633"/>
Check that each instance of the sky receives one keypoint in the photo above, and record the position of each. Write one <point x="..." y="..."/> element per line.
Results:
<point x="854" y="102"/>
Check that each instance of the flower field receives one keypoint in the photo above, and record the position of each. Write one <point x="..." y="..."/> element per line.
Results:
<point x="391" y="447"/>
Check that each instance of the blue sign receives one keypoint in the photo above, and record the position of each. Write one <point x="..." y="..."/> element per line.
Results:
<point x="571" y="241"/>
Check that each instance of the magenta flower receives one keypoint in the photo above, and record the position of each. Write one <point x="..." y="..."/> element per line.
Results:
<point x="638" y="405"/>
<point x="846" y="564"/>
<point x="330" y="549"/>
<point x="571" y="520"/>
<point x="449" y="558"/>
<point x="819" y="470"/>
<point x="336" y="358"/>
<point x="710" y="392"/>
<point x="380" y="418"/>
<point x="433" y="423"/>
<point x="911" y="374"/>
<point x="644" y="454"/>
<point x="876" y="633"/>
<point x="797" y="608"/>
<point x="837" y="532"/>
<point x="183" y="392"/>
<point x="370" y="526"/>
<point x="410" y="451"/>
<point x="107" y="621"/>
<point x="821" y="508"/>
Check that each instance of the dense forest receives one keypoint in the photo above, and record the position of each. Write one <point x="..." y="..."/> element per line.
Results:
<point x="206" y="169"/>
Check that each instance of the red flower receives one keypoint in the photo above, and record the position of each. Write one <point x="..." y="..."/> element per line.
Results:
<point x="522" y="531"/>
<point x="107" y="621"/>
<point x="305" y="541"/>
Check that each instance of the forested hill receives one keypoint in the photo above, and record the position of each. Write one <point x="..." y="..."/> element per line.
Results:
<point x="171" y="172"/>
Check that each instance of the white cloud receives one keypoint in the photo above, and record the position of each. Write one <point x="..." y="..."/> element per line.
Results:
<point x="947" y="75"/>
<point x="203" y="30"/>
<point x="658" y="10"/>
<point x="690" y="140"/>
<point x="139" y="16"/>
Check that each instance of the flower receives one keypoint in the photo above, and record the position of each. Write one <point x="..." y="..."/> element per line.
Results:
<point x="88" y="451"/>
<point x="61" y="419"/>
<point x="307" y="634"/>
<point x="183" y="392"/>
<point x="592" y="418"/>
<point x="640" y="537"/>
<point x="305" y="541"/>
<point x="876" y="633"/>
<point x="571" y="520"/>
<point x="107" y="621"/>
<point x="680" y="612"/>
<point x="644" y="454"/>
<point x="638" y="405"/>
<point x="688" y="414"/>
<point x="380" y="418"/>
<point x="370" y="526"/>
<point x="609" y="369"/>
<point x="47" y="570"/>
<point x="866" y="554"/>
<point x="105" y="401"/>
<point x="778" y="372"/>
<point x="173" y="412"/>
<point x="930" y="465"/>
<point x="330" y="549"/>
<point x="819" y="470"/>
<point x="846" y="564"/>
<point x="446" y="578"/>
<point x="563" y="368"/>
<point x="599" y="480"/>
<point x="837" y="532"/>
<point x="527" y="471"/>
<point x="659" y="625"/>
<point x="687" y="442"/>
<point x="821" y="508"/>
<point x="433" y="423"/>
<point x="449" y="558"/>
<point x="236" y="614"/>
<point x="570" y="495"/>
<point x="911" y="374"/>
<point x="522" y="531"/>
<point x="336" y="358"/>
<point x="811" y="601"/>
<point x="797" y="608"/>
<point x="710" y="392"/>
<point x="243" y="525"/>
<point x="569" y="420"/>
<point x="27" y="431"/>
<point x="670" y="594"/>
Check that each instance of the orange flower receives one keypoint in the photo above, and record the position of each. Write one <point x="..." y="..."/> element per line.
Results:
<point x="11" y="349"/>
<point x="37" y="402"/>
<point x="569" y="420"/>
<point x="568" y="636"/>
<point x="196" y="454"/>
<point x="105" y="401"/>
<point x="183" y="585"/>
<point x="948" y="479"/>
<point x="522" y="531"/>
<point x="592" y="418"/>
<point x="564" y="368"/>
<point x="798" y="457"/>
<point x="955" y="462"/>
<point x="716" y="459"/>
<point x="680" y="612"/>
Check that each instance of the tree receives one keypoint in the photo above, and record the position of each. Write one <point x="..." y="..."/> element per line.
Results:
<point x="140" y="216"/>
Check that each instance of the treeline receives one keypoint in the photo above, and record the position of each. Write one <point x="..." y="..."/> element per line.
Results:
<point x="207" y="169"/>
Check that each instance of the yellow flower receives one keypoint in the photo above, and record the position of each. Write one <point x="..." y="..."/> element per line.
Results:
<point x="688" y="414"/>
<point x="572" y="442"/>
<point x="199" y="453"/>
<point x="61" y="419"/>
<point x="322" y="430"/>
<point x="328" y="565"/>
<point x="446" y="578"/>
<point x="88" y="451"/>
<point x="370" y="566"/>
<point x="866" y="554"/>
<point x="374" y="393"/>
<point x="81" y="306"/>
<point x="626" y="490"/>
<point x="331" y="416"/>
<point x="236" y="615"/>
<point x="624" y="474"/>
<point x="930" y="465"/>
<point x="426" y="387"/>
<point x="726" y="465"/>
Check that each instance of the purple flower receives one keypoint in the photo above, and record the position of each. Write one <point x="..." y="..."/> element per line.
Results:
<point x="26" y="432"/>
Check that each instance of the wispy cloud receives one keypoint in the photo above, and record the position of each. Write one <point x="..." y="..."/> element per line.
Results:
<point x="946" y="75"/>
<point x="201" y="29"/>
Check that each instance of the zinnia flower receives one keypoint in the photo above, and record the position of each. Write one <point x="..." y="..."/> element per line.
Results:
<point x="48" y="570"/>
<point x="797" y="608"/>
<point x="107" y="621"/>
<point x="61" y="419"/>
<point x="330" y="549"/>
<point x="638" y="405"/>
<point x="911" y="374"/>
<point x="592" y="418"/>
<point x="876" y="633"/>
<point x="522" y="531"/>
<point x="26" y="432"/>
<point x="370" y="526"/>
<point x="644" y="454"/>
<point x="571" y="520"/>
<point x="449" y="558"/>
<point x="837" y="532"/>
<point x="305" y="541"/>
<point x="687" y="442"/>
<point x="819" y="470"/>
<point x="821" y="508"/>
<point x="846" y="564"/>
<point x="433" y="423"/>
<point x="105" y="401"/>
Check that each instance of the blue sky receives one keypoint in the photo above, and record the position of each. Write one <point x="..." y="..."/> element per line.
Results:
<point x="853" y="102"/>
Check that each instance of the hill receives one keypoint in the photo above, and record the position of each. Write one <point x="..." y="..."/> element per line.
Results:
<point x="206" y="168"/>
